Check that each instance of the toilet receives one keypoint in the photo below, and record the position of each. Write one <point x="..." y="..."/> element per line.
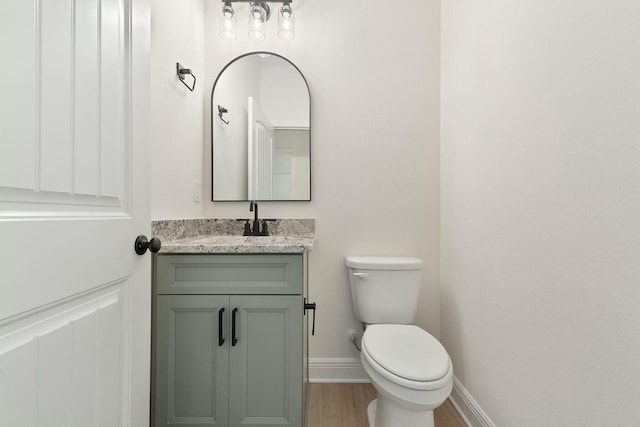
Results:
<point x="410" y="370"/>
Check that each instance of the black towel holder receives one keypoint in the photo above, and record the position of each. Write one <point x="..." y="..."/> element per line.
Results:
<point x="181" y="71"/>
<point x="221" y="111"/>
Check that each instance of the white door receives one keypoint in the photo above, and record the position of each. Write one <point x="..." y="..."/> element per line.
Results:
<point x="74" y="297"/>
<point x="260" y="150"/>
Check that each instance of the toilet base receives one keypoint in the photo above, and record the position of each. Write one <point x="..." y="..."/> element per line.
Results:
<point x="392" y="416"/>
<point x="371" y="412"/>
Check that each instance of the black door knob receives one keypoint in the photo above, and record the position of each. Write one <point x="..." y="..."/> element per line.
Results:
<point x="142" y="244"/>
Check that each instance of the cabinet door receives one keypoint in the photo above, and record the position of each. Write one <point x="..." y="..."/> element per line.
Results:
<point x="266" y="362"/>
<point x="191" y="370"/>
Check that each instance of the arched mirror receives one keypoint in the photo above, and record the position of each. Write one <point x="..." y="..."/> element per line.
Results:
<point x="260" y="131"/>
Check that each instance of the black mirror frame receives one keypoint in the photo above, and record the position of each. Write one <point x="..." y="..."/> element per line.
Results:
<point x="213" y="114"/>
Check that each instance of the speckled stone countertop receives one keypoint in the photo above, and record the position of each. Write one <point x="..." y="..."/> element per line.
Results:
<point x="225" y="236"/>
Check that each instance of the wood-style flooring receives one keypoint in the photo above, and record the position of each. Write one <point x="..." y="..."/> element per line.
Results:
<point x="345" y="405"/>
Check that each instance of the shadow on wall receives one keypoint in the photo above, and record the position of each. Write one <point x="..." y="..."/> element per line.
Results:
<point x="454" y="344"/>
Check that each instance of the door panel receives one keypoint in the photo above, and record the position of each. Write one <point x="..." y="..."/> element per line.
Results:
<point x="266" y="363"/>
<point x="55" y="90"/>
<point x="192" y="369"/>
<point x="260" y="151"/>
<point x="18" y="102"/>
<point x="69" y="355"/>
<point x="75" y="302"/>
<point x="87" y="74"/>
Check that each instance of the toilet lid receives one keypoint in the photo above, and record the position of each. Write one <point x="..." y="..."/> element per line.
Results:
<point x="383" y="263"/>
<point x="406" y="351"/>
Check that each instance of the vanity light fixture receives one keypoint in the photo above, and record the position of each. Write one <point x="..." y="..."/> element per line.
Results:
<point x="228" y="30"/>
<point x="286" y="23"/>
<point x="259" y="14"/>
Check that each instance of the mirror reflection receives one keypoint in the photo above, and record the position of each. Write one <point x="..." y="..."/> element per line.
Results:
<point x="260" y="125"/>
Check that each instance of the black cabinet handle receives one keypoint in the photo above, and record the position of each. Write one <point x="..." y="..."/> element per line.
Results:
<point x="234" y="341"/>
<point x="220" y="327"/>
<point x="311" y="306"/>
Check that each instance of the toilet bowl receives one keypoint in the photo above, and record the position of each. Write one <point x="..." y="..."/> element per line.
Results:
<point x="410" y="370"/>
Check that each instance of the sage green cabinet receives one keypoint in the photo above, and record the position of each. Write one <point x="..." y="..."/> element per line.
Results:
<point x="202" y="376"/>
<point x="265" y="387"/>
<point x="191" y="369"/>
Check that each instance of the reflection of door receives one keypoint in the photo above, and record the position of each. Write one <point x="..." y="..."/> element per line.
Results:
<point x="74" y="297"/>
<point x="282" y="174"/>
<point x="260" y="163"/>
<point x="291" y="167"/>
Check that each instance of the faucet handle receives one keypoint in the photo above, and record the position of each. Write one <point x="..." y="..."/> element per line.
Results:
<point x="247" y="227"/>
<point x="265" y="228"/>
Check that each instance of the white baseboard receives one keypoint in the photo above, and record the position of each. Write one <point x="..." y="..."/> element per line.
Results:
<point x="336" y="370"/>
<point x="467" y="407"/>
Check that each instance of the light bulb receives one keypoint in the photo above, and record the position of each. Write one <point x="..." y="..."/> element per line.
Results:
<point x="286" y="23"/>
<point x="257" y="18"/>
<point x="228" y="25"/>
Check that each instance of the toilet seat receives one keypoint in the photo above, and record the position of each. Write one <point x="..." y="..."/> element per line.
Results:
<point x="406" y="355"/>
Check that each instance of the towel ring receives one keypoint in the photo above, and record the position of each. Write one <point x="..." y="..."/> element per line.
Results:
<point x="181" y="71"/>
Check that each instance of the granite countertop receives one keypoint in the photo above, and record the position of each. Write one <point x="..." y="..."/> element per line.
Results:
<point x="239" y="244"/>
<point x="225" y="236"/>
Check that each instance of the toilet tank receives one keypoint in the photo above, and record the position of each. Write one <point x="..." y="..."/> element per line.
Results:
<point x="384" y="289"/>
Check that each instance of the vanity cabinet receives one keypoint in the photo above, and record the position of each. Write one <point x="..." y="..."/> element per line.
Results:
<point x="228" y="340"/>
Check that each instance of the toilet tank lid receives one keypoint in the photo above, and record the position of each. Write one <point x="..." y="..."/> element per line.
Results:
<point x="384" y="263"/>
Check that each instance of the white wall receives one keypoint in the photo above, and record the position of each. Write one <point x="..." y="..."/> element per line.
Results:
<point x="374" y="144"/>
<point x="541" y="207"/>
<point x="177" y="35"/>
<point x="283" y="94"/>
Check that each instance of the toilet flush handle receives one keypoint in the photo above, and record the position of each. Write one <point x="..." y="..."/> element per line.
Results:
<point x="363" y="276"/>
